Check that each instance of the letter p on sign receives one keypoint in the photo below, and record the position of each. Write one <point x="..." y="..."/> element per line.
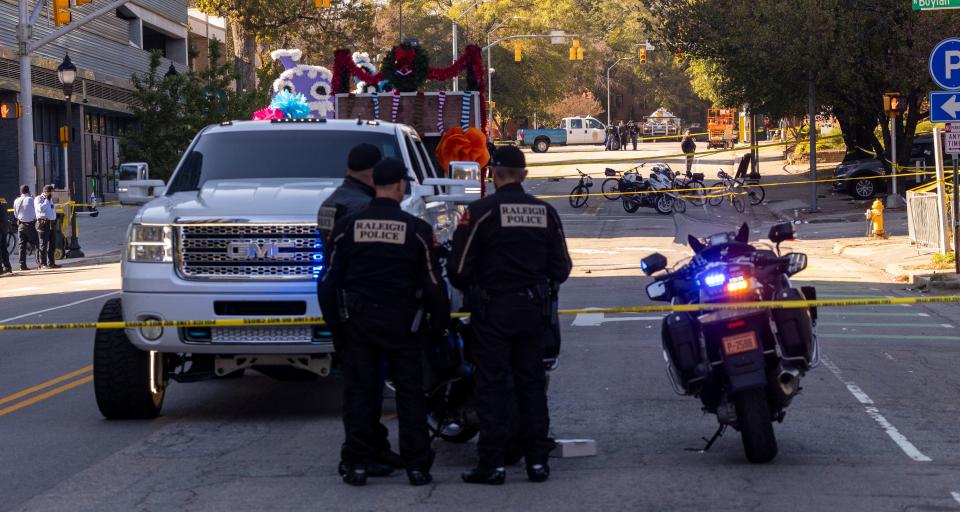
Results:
<point x="952" y="58"/>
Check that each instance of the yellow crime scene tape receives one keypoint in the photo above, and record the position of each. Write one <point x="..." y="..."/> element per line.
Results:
<point x="666" y="308"/>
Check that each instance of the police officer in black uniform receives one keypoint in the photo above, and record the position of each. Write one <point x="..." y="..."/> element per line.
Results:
<point x="353" y="196"/>
<point x="383" y="293"/>
<point x="509" y="251"/>
<point x="356" y="191"/>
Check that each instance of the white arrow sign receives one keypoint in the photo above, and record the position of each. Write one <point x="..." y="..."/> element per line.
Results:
<point x="951" y="106"/>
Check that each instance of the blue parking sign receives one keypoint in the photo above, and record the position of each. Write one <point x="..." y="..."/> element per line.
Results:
<point x="945" y="63"/>
<point x="944" y="107"/>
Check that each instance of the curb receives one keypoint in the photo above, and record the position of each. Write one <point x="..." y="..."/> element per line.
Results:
<point x="100" y="259"/>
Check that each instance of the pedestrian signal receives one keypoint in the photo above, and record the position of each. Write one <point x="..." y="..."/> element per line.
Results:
<point x="9" y="110"/>
<point x="643" y="56"/>
<point x="893" y="104"/>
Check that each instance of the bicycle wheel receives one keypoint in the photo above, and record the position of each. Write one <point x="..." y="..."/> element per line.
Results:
<point x="611" y="188"/>
<point x="715" y="193"/>
<point x="756" y="194"/>
<point x="737" y="201"/>
<point x="577" y="199"/>
<point x="696" y="191"/>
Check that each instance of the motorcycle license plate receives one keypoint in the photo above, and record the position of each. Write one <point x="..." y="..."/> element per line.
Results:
<point x="739" y="343"/>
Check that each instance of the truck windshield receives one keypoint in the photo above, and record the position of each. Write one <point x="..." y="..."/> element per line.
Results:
<point x="128" y="173"/>
<point x="263" y="154"/>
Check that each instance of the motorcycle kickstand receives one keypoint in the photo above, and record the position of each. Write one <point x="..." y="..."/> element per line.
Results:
<point x="717" y="435"/>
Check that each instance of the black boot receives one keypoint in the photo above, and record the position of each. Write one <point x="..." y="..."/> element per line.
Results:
<point x="418" y="477"/>
<point x="355" y="474"/>
<point x="538" y="472"/>
<point x="484" y="475"/>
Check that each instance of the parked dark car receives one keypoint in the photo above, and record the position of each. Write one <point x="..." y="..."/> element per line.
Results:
<point x="858" y="178"/>
<point x="921" y="153"/>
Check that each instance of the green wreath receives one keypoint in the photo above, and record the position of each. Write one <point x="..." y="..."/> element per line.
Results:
<point x="409" y="73"/>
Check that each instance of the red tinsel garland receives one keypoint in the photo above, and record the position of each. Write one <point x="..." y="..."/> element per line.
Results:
<point x="343" y="62"/>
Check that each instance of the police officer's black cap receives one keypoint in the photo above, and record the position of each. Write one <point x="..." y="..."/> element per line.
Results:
<point x="362" y="157"/>
<point x="508" y="156"/>
<point x="389" y="171"/>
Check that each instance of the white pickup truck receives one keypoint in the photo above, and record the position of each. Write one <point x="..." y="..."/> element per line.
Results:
<point x="235" y="236"/>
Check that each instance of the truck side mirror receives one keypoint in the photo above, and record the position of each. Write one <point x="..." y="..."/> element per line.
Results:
<point x="464" y="171"/>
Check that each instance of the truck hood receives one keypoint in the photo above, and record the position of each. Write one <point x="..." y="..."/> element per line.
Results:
<point x="283" y="200"/>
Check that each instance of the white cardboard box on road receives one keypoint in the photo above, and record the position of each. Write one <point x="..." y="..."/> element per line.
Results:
<point x="574" y="448"/>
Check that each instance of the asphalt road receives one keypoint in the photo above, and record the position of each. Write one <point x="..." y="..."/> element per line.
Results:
<point x="874" y="429"/>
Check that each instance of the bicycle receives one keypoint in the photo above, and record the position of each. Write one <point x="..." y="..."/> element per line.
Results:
<point x="578" y="196"/>
<point x="693" y="182"/>
<point x="750" y="187"/>
<point x="727" y="188"/>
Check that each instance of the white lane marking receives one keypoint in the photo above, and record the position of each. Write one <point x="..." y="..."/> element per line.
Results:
<point x="40" y="312"/>
<point x="947" y="326"/>
<point x="887" y="354"/>
<point x="956" y="496"/>
<point x="901" y="440"/>
<point x="597" y="319"/>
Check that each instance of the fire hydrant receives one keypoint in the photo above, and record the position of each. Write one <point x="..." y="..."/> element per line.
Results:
<point x="875" y="219"/>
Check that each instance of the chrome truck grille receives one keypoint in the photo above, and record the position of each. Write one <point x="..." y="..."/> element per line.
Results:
<point x="249" y="251"/>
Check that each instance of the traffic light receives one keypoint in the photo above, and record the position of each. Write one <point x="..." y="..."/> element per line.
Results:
<point x="61" y="12"/>
<point x="643" y="56"/>
<point x="64" y="135"/>
<point x="678" y="58"/>
<point x="322" y="4"/>
<point x="893" y="104"/>
<point x="81" y="2"/>
<point x="517" y="54"/>
<point x="576" y="51"/>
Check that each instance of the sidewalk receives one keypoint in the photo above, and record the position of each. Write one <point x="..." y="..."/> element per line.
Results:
<point x="102" y="237"/>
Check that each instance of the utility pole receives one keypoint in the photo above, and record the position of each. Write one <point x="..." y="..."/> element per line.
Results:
<point x="456" y="79"/>
<point x="25" y="49"/>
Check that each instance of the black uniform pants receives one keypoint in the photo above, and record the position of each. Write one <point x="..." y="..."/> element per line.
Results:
<point x="511" y="379"/>
<point x="46" y="233"/>
<point x="27" y="232"/>
<point x="633" y="140"/>
<point x="363" y="355"/>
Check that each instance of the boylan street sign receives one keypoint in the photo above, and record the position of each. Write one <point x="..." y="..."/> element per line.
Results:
<point x="922" y="5"/>
<point x="945" y="63"/>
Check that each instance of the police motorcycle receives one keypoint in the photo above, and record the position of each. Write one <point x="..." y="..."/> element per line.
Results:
<point x="661" y="179"/>
<point x="744" y="365"/>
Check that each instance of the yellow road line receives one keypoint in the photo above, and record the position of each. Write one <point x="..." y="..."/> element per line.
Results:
<point x="43" y="396"/>
<point x="47" y="384"/>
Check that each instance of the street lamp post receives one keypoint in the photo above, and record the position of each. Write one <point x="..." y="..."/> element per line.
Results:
<point x="608" y="84"/>
<point x="67" y="74"/>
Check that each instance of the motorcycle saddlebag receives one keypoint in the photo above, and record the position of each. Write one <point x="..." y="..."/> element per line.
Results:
<point x="681" y="342"/>
<point x="794" y="327"/>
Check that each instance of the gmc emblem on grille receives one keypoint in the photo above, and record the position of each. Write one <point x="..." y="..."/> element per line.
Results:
<point x="248" y="250"/>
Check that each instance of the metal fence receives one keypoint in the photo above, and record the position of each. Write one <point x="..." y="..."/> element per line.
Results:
<point x="923" y="221"/>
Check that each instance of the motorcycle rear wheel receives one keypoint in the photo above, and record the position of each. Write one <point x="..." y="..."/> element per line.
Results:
<point x="452" y="433"/>
<point x="664" y="204"/>
<point x="631" y="204"/>
<point x="756" y="426"/>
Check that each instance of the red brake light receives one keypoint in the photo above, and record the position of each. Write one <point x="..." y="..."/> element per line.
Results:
<point x="738" y="323"/>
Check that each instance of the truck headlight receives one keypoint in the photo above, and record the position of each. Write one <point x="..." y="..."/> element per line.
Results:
<point x="150" y="244"/>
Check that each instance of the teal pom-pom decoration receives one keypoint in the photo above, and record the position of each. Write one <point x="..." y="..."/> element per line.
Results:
<point x="294" y="106"/>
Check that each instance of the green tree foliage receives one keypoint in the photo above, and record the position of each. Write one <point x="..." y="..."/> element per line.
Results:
<point x="765" y="53"/>
<point x="159" y="137"/>
<point x="170" y="110"/>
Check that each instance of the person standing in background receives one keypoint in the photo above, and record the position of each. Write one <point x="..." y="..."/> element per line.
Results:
<point x="4" y="232"/>
<point x="46" y="227"/>
<point x="26" y="214"/>
<point x="689" y="147"/>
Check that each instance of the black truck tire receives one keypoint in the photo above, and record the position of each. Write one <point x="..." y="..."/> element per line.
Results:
<point x="121" y="372"/>
<point x="756" y="426"/>
<point x="541" y="145"/>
